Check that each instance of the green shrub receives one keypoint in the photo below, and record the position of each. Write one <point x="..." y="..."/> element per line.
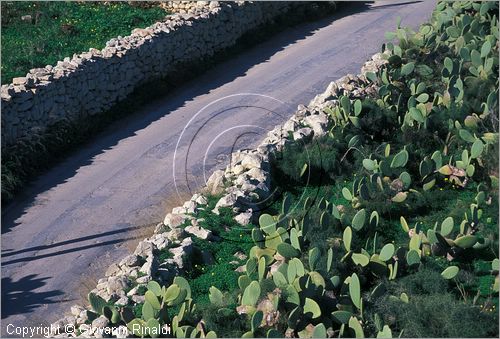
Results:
<point x="437" y="315"/>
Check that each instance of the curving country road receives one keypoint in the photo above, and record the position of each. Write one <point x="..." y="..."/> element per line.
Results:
<point x="89" y="210"/>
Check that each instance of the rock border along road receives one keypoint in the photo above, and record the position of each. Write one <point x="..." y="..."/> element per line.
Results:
<point x="84" y="214"/>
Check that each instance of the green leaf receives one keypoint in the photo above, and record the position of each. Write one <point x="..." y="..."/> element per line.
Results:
<point x="385" y="333"/>
<point x="477" y="149"/>
<point x="303" y="171"/>
<point x="437" y="158"/>
<point x="447" y="226"/>
<point x="369" y="164"/>
<point x="154" y="287"/>
<point x="357" y="107"/>
<point x="495" y="264"/>
<point x="404" y="224"/>
<point x="287" y="251"/>
<point x="329" y="260"/>
<point x="415" y="242"/>
<point x="407" y="68"/>
<point x="355" y="290"/>
<point x="310" y="306"/>
<point x="148" y="311"/>
<point x="360" y="259"/>
<point x="152" y="299"/>
<point x="356" y="326"/>
<point x="466" y="241"/>
<point x="400" y="159"/>
<point x="251" y="294"/>
<point x="347" y="237"/>
<point x="446" y="170"/>
<point x="172" y="293"/>
<point x="267" y="223"/>
<point x="279" y="279"/>
<point x="424" y="97"/>
<point x="319" y="331"/>
<point x="450" y="272"/>
<point x="359" y="220"/>
<point x="346" y="194"/>
<point x="345" y="103"/>
<point x="215" y="296"/>
<point x="485" y="49"/>
<point x="261" y="268"/>
<point x="448" y="64"/>
<point x="257" y="320"/>
<point x="371" y="76"/>
<point x="399" y="197"/>
<point x="406" y="179"/>
<point x="387" y="252"/>
<point x="314" y="257"/>
<point x="412" y="257"/>
<point x="184" y="284"/>
<point x="341" y="317"/>
<point x="417" y="115"/>
<point x="244" y="281"/>
<point x="476" y="58"/>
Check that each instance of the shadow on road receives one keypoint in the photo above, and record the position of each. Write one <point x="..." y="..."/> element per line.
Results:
<point x="18" y="297"/>
<point x="70" y="250"/>
<point x="215" y="77"/>
<point x="10" y="252"/>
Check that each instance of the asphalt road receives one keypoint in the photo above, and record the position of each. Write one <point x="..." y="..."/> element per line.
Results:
<point x="91" y="209"/>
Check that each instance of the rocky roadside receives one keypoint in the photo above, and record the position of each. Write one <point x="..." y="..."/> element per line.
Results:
<point x="245" y="182"/>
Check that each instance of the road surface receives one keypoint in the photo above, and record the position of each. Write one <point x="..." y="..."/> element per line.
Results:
<point x="91" y="209"/>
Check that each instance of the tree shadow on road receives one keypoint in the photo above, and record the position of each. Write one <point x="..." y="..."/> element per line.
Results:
<point x="19" y="297"/>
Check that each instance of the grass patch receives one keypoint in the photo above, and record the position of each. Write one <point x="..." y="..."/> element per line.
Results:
<point x="36" y="34"/>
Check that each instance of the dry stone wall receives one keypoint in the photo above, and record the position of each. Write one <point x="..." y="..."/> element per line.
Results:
<point x="245" y="180"/>
<point x="92" y="82"/>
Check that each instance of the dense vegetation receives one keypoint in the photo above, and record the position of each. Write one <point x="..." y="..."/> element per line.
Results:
<point x="36" y="34"/>
<point x="400" y="237"/>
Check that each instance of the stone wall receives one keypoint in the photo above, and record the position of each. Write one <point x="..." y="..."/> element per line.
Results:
<point x="246" y="179"/>
<point x="92" y="82"/>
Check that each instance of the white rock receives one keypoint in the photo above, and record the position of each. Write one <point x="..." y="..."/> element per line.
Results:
<point x="216" y="182"/>
<point x="303" y="133"/>
<point x="100" y="322"/>
<point x="258" y="174"/>
<point x="244" y="218"/>
<point x="174" y="220"/>
<point x="144" y="249"/>
<point x="199" y="232"/>
<point x="76" y="310"/>
<point x="318" y="122"/>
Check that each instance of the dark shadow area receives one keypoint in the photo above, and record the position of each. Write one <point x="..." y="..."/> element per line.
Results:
<point x="18" y="297"/>
<point x="73" y="249"/>
<point x="163" y="95"/>
<point x="10" y="252"/>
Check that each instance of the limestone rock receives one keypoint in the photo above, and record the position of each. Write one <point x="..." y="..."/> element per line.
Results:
<point x="199" y="232"/>
<point x="100" y="322"/>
